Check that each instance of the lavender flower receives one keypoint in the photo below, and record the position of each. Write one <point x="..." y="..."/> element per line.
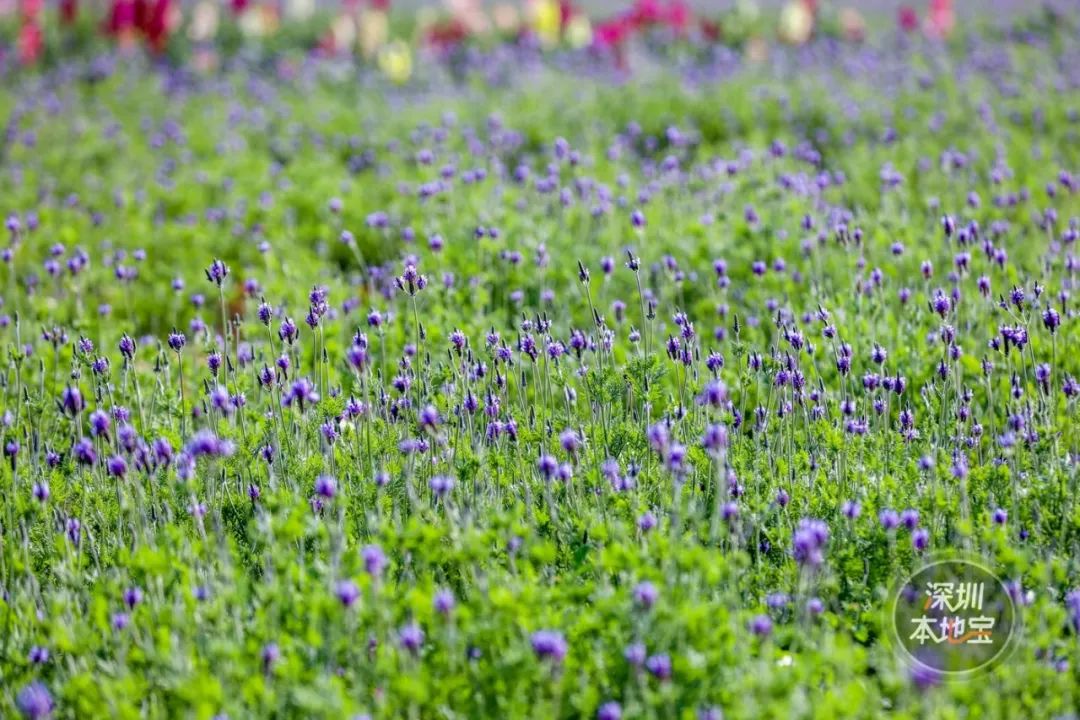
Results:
<point x="808" y="542"/>
<point x="35" y="702"/>
<point x="411" y="637"/>
<point x="645" y="595"/>
<point x="347" y="593"/>
<point x="761" y="625"/>
<point x="326" y="487"/>
<point x="217" y="272"/>
<point x="549" y="645"/>
<point x="177" y="341"/>
<point x="659" y="666"/>
<point x="444" y="602"/>
<point x="610" y="710"/>
<point x="374" y="560"/>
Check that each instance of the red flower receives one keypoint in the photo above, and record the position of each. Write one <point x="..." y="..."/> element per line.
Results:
<point x="142" y="11"/>
<point x="446" y="35"/>
<point x="611" y="36"/>
<point x="646" y="12"/>
<point x="69" y="11"/>
<point x="122" y="17"/>
<point x="677" y="16"/>
<point x="29" y="43"/>
<point x="156" y="25"/>
<point x="238" y="6"/>
<point x="613" y="33"/>
<point x="148" y="17"/>
<point x="941" y="18"/>
<point x="908" y="18"/>
<point x="566" y="11"/>
<point x="711" y="29"/>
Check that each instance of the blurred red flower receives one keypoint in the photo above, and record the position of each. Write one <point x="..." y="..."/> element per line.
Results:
<point x="69" y="11"/>
<point x="566" y="11"/>
<point x="613" y="32"/>
<point x="678" y="15"/>
<point x="156" y="24"/>
<point x="121" y="18"/>
<point x="941" y="18"/>
<point x="646" y="12"/>
<point x="907" y="18"/>
<point x="674" y="14"/>
<point x="711" y="29"/>
<point x="128" y="18"/>
<point x="446" y="35"/>
<point x="30" y="42"/>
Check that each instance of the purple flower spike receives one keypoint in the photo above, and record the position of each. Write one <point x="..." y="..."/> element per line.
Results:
<point x="549" y="645"/>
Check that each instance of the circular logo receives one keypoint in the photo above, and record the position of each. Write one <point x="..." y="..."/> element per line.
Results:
<point x="953" y="617"/>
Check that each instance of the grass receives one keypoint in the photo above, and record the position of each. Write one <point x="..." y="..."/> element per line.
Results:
<point x="577" y="455"/>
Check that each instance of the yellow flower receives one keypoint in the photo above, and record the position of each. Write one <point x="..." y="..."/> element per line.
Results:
<point x="395" y="60"/>
<point x="547" y="21"/>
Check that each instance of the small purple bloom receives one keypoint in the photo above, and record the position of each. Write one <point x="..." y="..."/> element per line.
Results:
<point x="35" y="702"/>
<point x="326" y="487"/>
<point x="549" y="645"/>
<point x="761" y="625"/>
<point x="374" y="560"/>
<point x="645" y="595"/>
<point x="411" y="637"/>
<point x="441" y="485"/>
<point x="609" y="711"/>
<point x="444" y="602"/>
<point x="347" y="592"/>
<point x="659" y="666"/>
<point x="269" y="656"/>
<point x="920" y="539"/>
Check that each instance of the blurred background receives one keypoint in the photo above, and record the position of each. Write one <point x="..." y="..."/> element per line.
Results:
<point x="391" y="33"/>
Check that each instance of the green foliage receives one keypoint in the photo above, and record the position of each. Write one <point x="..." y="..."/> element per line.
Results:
<point x="236" y="552"/>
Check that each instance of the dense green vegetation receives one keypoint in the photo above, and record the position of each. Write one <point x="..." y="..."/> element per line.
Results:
<point x="661" y="324"/>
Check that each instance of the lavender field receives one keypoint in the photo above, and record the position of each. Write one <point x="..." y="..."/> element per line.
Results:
<point x="537" y="382"/>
